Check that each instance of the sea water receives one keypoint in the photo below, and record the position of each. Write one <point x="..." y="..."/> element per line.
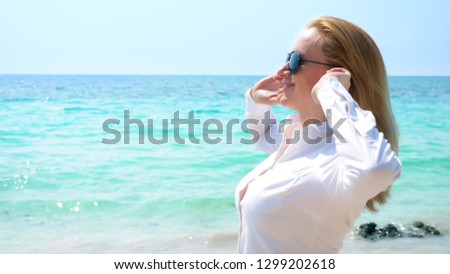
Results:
<point x="64" y="190"/>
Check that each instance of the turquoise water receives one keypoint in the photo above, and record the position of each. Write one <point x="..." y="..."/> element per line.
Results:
<point x="63" y="191"/>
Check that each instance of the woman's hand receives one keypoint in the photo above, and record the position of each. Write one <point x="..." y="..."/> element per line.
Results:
<point x="341" y="74"/>
<point x="267" y="91"/>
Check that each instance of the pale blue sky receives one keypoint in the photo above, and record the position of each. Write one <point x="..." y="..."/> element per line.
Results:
<point x="207" y="37"/>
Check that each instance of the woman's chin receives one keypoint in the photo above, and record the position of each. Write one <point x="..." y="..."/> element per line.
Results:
<point x="289" y="102"/>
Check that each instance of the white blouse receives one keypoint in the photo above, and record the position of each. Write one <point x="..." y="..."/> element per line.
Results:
<point x="306" y="196"/>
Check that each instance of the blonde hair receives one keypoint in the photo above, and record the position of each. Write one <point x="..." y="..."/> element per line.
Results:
<point x="346" y="45"/>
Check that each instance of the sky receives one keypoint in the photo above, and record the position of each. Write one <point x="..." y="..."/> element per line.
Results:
<point x="232" y="37"/>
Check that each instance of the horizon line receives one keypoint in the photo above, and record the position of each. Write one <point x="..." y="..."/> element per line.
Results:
<point x="187" y="74"/>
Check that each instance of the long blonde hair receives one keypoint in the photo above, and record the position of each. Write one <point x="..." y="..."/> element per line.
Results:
<point x="346" y="45"/>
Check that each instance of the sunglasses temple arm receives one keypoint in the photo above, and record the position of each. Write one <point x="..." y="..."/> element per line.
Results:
<point x="306" y="60"/>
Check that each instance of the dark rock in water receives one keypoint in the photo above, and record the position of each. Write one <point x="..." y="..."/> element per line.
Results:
<point x="392" y="231"/>
<point x="367" y="230"/>
<point x="418" y="224"/>
<point x="380" y="233"/>
<point x="371" y="231"/>
<point x="431" y="230"/>
<point x="417" y="230"/>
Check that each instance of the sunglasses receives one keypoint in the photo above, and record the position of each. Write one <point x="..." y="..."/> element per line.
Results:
<point x="295" y="60"/>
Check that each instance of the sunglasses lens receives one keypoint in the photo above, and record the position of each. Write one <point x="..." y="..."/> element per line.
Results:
<point x="288" y="57"/>
<point x="294" y="62"/>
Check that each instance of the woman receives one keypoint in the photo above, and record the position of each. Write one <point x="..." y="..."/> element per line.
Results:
<point x="336" y="157"/>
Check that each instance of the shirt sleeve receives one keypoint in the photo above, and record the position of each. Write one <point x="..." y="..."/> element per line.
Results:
<point x="369" y="165"/>
<point x="262" y="125"/>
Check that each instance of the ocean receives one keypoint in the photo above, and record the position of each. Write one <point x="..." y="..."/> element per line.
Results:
<point x="74" y="178"/>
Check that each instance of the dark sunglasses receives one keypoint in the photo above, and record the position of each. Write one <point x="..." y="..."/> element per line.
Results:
<point x="295" y="60"/>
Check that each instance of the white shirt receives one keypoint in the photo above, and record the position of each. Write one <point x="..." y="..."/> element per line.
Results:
<point x="306" y="198"/>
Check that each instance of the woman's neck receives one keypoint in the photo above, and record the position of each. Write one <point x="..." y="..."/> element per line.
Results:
<point x="311" y="115"/>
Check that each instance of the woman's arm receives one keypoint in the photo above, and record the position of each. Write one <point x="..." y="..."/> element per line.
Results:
<point x="263" y="123"/>
<point x="369" y="164"/>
